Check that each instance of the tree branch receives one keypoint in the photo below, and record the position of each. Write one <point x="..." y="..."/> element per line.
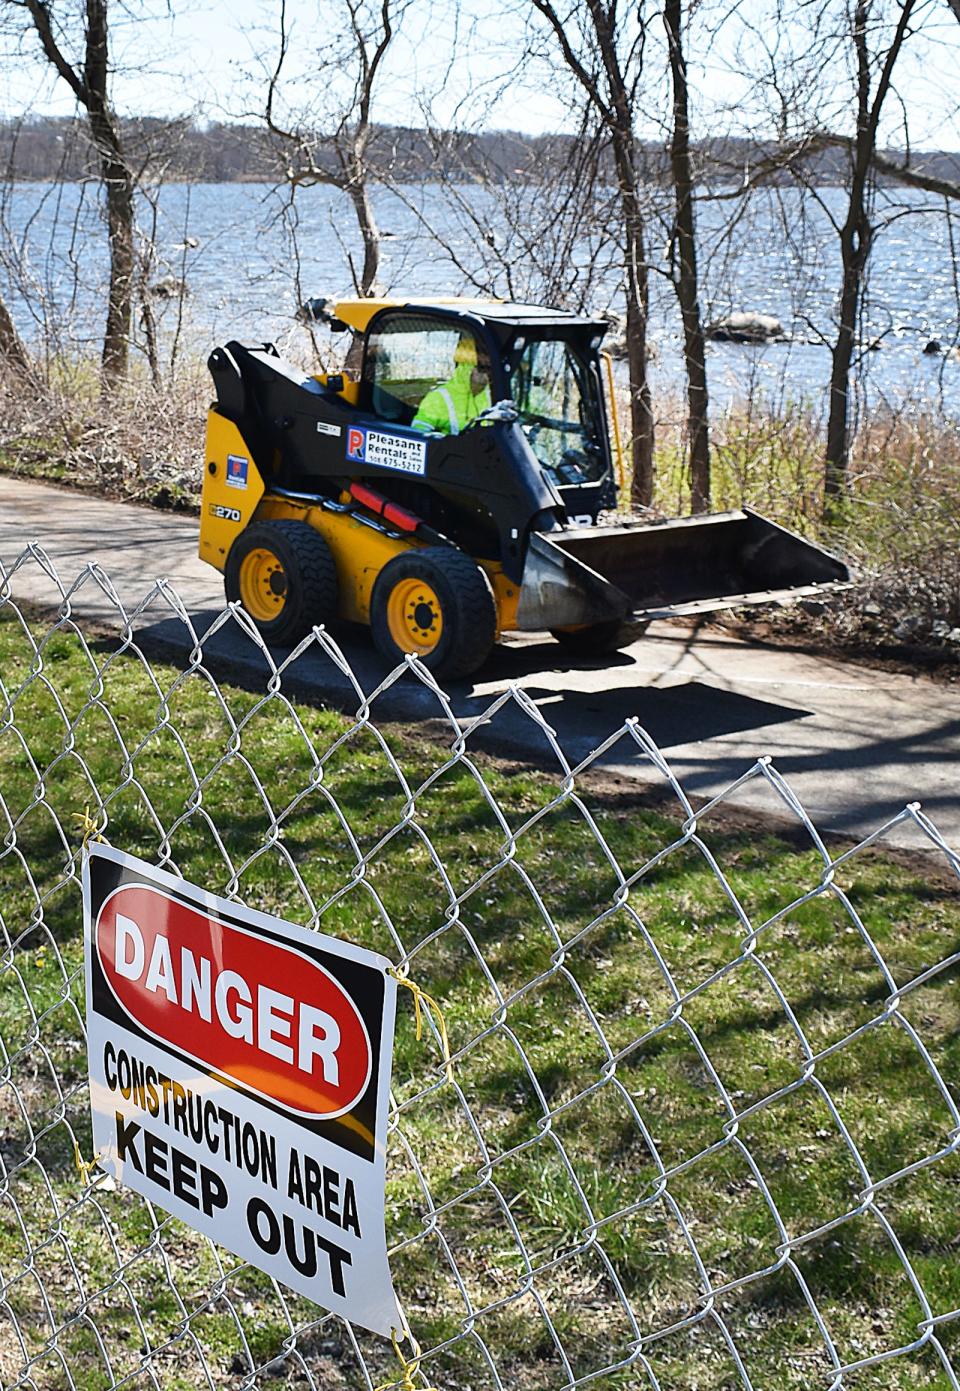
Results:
<point x="573" y="62"/>
<point x="791" y="158"/>
<point x="40" y="14"/>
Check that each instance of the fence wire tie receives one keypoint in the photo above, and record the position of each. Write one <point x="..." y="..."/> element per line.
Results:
<point x="419" y="994"/>
<point x="89" y="826"/>
<point x="408" y="1368"/>
<point x="86" y="1168"/>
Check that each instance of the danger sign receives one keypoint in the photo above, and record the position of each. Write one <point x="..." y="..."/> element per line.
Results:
<point x="239" y="1076"/>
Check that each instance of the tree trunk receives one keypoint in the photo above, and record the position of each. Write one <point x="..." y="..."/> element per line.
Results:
<point x="370" y="232"/>
<point x="855" y="250"/>
<point x="120" y="215"/>
<point x="119" y="189"/>
<point x="641" y="406"/>
<point x="687" y="283"/>
<point x="13" y="354"/>
<point x="367" y="279"/>
<point x="637" y="303"/>
<point x="148" y="322"/>
<point x="618" y="118"/>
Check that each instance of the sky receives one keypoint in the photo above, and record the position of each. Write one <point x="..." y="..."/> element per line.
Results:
<point x="207" y="52"/>
<point x="210" y="55"/>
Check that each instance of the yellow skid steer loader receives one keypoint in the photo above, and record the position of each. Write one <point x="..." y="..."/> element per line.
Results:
<point x="451" y="494"/>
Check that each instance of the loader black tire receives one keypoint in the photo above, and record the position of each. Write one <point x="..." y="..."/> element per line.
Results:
<point x="283" y="574"/>
<point x="437" y="603"/>
<point x="598" y="639"/>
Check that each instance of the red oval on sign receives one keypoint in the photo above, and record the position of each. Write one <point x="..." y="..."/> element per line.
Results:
<point x="258" y="1011"/>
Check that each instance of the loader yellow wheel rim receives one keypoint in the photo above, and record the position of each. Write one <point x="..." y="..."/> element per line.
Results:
<point x="263" y="585"/>
<point x="414" y="616"/>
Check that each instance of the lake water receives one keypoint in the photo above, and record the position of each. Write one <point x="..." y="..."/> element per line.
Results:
<point x="253" y="263"/>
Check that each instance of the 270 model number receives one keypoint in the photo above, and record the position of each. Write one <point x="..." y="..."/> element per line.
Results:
<point x="227" y="514"/>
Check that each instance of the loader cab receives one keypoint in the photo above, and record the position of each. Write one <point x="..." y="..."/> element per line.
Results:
<point x="544" y="361"/>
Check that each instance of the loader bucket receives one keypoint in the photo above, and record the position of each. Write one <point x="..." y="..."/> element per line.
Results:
<point x="667" y="569"/>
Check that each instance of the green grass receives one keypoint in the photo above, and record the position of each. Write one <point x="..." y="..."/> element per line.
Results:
<point x="582" y="1192"/>
<point x="30" y="456"/>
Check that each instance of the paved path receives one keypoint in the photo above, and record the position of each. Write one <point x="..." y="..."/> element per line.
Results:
<point x="856" y="745"/>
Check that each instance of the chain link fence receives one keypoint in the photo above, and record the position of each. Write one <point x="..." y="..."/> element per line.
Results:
<point x="702" y="1125"/>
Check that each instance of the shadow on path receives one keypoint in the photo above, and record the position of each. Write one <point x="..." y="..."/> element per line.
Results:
<point x="672" y="715"/>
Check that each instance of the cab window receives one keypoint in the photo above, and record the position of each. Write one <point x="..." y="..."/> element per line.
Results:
<point x="407" y="356"/>
<point x="556" y="397"/>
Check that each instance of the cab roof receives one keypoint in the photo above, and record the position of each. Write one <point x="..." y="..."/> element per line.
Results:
<point x="502" y="314"/>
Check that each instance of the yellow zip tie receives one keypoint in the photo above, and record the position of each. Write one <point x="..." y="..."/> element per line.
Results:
<point x="84" y="1169"/>
<point x="91" y="831"/>
<point x="410" y="1368"/>
<point x="418" y="995"/>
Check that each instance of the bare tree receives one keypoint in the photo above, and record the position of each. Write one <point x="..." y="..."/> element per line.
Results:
<point x="687" y="280"/>
<point x="328" y="140"/>
<point x="856" y="233"/>
<point x="602" y="45"/>
<point x="89" y="78"/>
<point x="816" y="64"/>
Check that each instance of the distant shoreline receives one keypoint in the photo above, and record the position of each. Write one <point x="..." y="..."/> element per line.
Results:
<point x="59" y="150"/>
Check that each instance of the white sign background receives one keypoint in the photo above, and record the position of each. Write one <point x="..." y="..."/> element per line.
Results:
<point x="396" y="452"/>
<point x="319" y="1227"/>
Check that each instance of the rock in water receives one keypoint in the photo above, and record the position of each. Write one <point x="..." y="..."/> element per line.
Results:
<point x="168" y="288"/>
<point x="746" y="328"/>
<point x="312" y="311"/>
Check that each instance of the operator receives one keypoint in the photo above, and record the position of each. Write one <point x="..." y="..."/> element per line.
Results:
<point x="451" y="406"/>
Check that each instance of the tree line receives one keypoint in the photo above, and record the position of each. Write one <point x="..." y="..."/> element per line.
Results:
<point x="49" y="148"/>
